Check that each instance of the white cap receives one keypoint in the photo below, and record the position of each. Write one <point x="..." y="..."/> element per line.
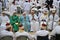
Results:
<point x="38" y="5"/>
<point x="43" y="23"/>
<point x="26" y="0"/>
<point x="45" y="9"/>
<point x="24" y="12"/>
<point x="35" y="9"/>
<point x="40" y="9"/>
<point x="51" y="9"/>
<point x="3" y="12"/>
<point x="5" y="9"/>
<point x="18" y="6"/>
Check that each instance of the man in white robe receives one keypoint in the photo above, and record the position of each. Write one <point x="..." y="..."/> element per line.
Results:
<point x="5" y="19"/>
<point x="26" y="7"/>
<point x="53" y="18"/>
<point x="34" y="21"/>
<point x="0" y="8"/>
<point x="44" y="16"/>
<point x="12" y="9"/>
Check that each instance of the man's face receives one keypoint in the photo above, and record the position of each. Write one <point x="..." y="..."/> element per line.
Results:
<point x="24" y="14"/>
<point x="45" y="13"/>
<point x="3" y="14"/>
<point x="53" y="12"/>
<point x="32" y="12"/>
<point x="59" y="22"/>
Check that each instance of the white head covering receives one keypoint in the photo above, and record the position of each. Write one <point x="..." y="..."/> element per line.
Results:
<point x="45" y="9"/>
<point x="40" y="9"/>
<point x="51" y="9"/>
<point x="26" y="0"/>
<point x="35" y="9"/>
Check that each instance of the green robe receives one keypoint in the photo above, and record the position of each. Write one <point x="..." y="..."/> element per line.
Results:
<point x="13" y="20"/>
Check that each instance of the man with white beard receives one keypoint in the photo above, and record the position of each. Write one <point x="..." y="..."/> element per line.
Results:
<point x="53" y="18"/>
<point x="44" y="15"/>
<point x="34" y="21"/>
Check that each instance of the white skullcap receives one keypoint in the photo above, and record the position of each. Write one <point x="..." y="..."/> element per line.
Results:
<point x="45" y="9"/>
<point x="24" y="12"/>
<point x="51" y="9"/>
<point x="3" y="12"/>
<point x="26" y="0"/>
<point x="5" y="9"/>
<point x="33" y="5"/>
<point x="43" y="22"/>
<point x="40" y="9"/>
<point x="18" y="6"/>
<point x="38" y="5"/>
<point x="35" y="9"/>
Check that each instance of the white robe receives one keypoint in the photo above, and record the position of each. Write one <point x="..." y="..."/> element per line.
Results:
<point x="0" y="7"/>
<point x="27" y="7"/>
<point x="6" y="33"/>
<point x="12" y="9"/>
<point x="41" y="33"/>
<point x="34" y="24"/>
<point x="17" y="34"/>
<point x="56" y="30"/>
<point x="56" y="18"/>
<point x="2" y="27"/>
<point x="19" y="3"/>
<point x="5" y="19"/>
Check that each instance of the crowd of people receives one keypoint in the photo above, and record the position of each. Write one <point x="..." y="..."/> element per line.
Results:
<point x="23" y="17"/>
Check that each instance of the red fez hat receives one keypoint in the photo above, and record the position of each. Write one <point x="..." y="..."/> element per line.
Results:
<point x="20" y="25"/>
<point x="44" y="24"/>
<point x="7" y="24"/>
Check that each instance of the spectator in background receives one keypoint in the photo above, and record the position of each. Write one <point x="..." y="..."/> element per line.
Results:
<point x="12" y="8"/>
<point x="0" y="7"/>
<point x="5" y="18"/>
<point x="49" y="3"/>
<point x="24" y="19"/>
<point x="53" y="18"/>
<point x="26" y="7"/>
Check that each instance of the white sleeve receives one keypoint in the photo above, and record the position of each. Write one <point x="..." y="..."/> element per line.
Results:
<point x="8" y="20"/>
<point x="30" y="36"/>
<point x="53" y="32"/>
<point x="36" y="18"/>
<point x="57" y="17"/>
<point x="35" y="36"/>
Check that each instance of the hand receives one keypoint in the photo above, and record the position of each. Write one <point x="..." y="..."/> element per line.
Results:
<point x="16" y="23"/>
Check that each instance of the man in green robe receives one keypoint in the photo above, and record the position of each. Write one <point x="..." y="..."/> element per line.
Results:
<point x="14" y="20"/>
